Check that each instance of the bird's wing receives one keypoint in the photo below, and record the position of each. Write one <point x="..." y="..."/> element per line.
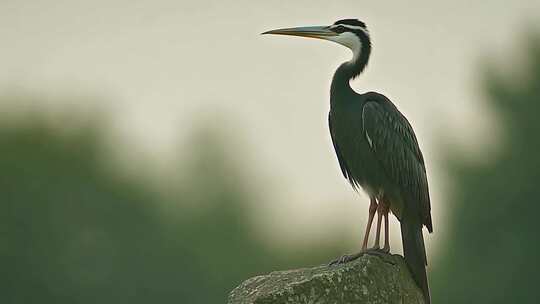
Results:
<point x="394" y="143"/>
<point x="342" y="164"/>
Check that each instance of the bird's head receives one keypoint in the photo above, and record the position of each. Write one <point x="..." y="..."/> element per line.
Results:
<point x="351" y="33"/>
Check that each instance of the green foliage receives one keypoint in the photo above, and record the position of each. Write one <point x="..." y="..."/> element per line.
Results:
<point x="491" y="255"/>
<point x="72" y="231"/>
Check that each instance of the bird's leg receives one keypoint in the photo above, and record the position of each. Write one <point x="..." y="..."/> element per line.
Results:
<point x="372" y="210"/>
<point x="386" y="210"/>
<point x="377" y="245"/>
<point x="351" y="257"/>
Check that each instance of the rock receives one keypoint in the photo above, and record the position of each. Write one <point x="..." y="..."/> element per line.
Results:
<point x="372" y="278"/>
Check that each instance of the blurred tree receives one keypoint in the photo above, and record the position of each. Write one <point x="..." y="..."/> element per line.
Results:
<point x="491" y="255"/>
<point x="73" y="231"/>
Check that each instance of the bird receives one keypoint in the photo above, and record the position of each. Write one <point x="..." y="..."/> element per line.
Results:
<point x="376" y="148"/>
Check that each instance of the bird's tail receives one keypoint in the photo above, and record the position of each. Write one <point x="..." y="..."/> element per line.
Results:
<point x="415" y="254"/>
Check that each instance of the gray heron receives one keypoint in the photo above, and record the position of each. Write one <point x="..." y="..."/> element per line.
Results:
<point x="376" y="148"/>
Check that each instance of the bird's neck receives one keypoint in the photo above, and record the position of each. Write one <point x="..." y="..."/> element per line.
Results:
<point x="341" y="91"/>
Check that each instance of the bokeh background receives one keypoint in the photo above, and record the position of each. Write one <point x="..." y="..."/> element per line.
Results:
<point x="164" y="151"/>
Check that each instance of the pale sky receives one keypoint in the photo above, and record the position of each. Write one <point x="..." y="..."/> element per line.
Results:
<point x="163" y="66"/>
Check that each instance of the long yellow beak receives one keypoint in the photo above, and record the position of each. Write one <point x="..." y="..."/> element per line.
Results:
<point x="320" y="32"/>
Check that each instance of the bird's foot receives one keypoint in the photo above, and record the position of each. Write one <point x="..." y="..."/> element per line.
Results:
<point x="376" y="250"/>
<point x="346" y="258"/>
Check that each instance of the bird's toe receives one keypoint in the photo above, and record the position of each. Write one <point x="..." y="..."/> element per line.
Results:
<point x="346" y="258"/>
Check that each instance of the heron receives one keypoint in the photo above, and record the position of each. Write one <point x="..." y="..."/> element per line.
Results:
<point x="377" y="150"/>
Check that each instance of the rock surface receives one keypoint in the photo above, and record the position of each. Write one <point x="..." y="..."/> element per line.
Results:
<point x="373" y="278"/>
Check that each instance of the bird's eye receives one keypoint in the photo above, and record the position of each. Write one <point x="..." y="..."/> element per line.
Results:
<point x="339" y="29"/>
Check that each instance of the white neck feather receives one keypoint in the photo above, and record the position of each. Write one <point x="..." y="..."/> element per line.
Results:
<point x="350" y="41"/>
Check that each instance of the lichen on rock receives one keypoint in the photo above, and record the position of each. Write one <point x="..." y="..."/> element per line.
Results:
<point x="372" y="278"/>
